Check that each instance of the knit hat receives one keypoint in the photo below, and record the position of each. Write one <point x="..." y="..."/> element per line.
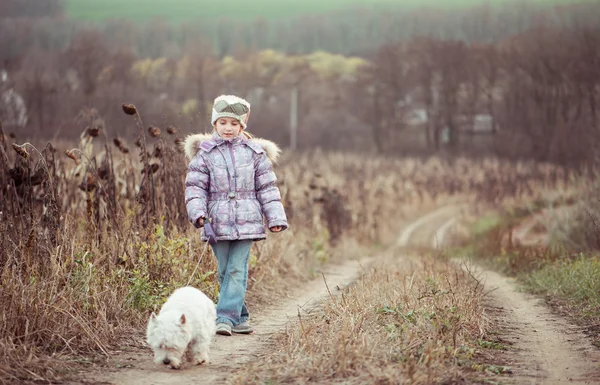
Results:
<point x="231" y="106"/>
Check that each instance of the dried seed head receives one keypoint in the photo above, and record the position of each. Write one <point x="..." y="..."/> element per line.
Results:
<point x="179" y="144"/>
<point x="20" y="150"/>
<point x="157" y="150"/>
<point x="93" y="131"/>
<point x="154" y="131"/>
<point x="119" y="144"/>
<point x="172" y="130"/>
<point x="138" y="141"/>
<point x="153" y="168"/>
<point x="103" y="171"/>
<point x="73" y="155"/>
<point x="129" y="109"/>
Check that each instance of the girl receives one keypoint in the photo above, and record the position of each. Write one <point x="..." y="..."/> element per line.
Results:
<point x="231" y="183"/>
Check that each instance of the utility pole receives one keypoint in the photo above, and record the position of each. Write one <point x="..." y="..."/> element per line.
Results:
<point x="294" y="118"/>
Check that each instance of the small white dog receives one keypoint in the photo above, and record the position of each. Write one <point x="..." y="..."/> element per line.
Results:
<point x="185" y="324"/>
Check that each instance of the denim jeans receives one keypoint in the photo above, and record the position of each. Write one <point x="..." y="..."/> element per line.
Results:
<point x="232" y="257"/>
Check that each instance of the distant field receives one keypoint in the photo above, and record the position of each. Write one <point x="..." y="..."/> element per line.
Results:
<point x="182" y="10"/>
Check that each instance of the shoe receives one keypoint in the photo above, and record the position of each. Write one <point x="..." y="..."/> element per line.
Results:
<point x="223" y="329"/>
<point x="243" y="328"/>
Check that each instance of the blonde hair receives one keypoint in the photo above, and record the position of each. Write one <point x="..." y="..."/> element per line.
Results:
<point x="247" y="134"/>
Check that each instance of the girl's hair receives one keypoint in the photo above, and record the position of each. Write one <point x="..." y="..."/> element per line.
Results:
<point x="244" y="132"/>
<point x="247" y="134"/>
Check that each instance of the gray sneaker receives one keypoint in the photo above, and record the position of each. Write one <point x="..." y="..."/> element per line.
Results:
<point x="223" y="329"/>
<point x="243" y="328"/>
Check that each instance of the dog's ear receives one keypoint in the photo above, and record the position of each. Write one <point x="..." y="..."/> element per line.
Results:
<point x="182" y="319"/>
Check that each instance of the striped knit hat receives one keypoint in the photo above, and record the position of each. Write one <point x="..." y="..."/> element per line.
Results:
<point x="231" y="106"/>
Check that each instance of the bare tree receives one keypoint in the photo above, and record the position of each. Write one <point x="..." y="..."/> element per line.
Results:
<point x="88" y="54"/>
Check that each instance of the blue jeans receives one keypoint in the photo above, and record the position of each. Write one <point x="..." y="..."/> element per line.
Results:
<point x="232" y="257"/>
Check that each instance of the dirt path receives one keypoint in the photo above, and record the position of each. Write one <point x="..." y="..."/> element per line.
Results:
<point x="228" y="353"/>
<point x="424" y="232"/>
<point x="546" y="348"/>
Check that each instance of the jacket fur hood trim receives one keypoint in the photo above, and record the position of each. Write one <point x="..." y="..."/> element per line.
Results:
<point x="193" y="143"/>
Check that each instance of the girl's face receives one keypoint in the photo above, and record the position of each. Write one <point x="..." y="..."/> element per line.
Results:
<point x="228" y="128"/>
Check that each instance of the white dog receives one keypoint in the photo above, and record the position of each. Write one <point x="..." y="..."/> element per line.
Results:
<point x="185" y="324"/>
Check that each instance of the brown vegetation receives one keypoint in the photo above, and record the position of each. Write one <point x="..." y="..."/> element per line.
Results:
<point x="92" y="239"/>
<point x="90" y="244"/>
<point x="420" y="323"/>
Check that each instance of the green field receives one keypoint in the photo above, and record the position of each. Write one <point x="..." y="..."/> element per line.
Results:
<point x="183" y="10"/>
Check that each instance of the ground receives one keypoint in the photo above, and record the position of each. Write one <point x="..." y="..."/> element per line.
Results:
<point x="542" y="347"/>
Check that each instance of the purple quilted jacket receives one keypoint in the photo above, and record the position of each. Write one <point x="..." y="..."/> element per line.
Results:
<point x="232" y="182"/>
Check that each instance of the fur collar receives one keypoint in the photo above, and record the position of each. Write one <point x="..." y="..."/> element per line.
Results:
<point x="191" y="145"/>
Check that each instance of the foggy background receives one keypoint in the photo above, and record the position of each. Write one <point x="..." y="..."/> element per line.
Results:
<point x="516" y="79"/>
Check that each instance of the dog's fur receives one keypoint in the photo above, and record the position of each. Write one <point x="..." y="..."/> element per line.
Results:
<point x="185" y="324"/>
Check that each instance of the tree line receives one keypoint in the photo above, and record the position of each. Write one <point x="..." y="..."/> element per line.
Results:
<point x="528" y="91"/>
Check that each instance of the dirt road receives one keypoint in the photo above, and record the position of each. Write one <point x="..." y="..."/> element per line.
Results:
<point x="229" y="353"/>
<point x="544" y="347"/>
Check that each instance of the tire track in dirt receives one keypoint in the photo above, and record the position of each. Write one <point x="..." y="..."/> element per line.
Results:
<point x="547" y="348"/>
<point x="408" y="234"/>
<point x="419" y="232"/>
<point x="229" y="353"/>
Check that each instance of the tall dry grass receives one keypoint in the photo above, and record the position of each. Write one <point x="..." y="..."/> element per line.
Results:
<point x="95" y="236"/>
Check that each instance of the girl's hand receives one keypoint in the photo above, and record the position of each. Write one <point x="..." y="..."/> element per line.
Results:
<point x="276" y="229"/>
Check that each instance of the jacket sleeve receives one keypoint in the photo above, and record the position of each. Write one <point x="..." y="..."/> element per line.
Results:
<point x="267" y="193"/>
<point x="196" y="189"/>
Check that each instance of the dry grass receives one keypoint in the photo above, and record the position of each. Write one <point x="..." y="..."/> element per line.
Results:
<point x="421" y="323"/>
<point x="522" y="233"/>
<point x="565" y="269"/>
<point x="95" y="238"/>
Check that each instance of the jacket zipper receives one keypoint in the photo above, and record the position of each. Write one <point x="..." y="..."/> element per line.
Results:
<point x="235" y="205"/>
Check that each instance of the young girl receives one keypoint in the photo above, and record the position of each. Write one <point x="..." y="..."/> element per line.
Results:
<point x="231" y="183"/>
